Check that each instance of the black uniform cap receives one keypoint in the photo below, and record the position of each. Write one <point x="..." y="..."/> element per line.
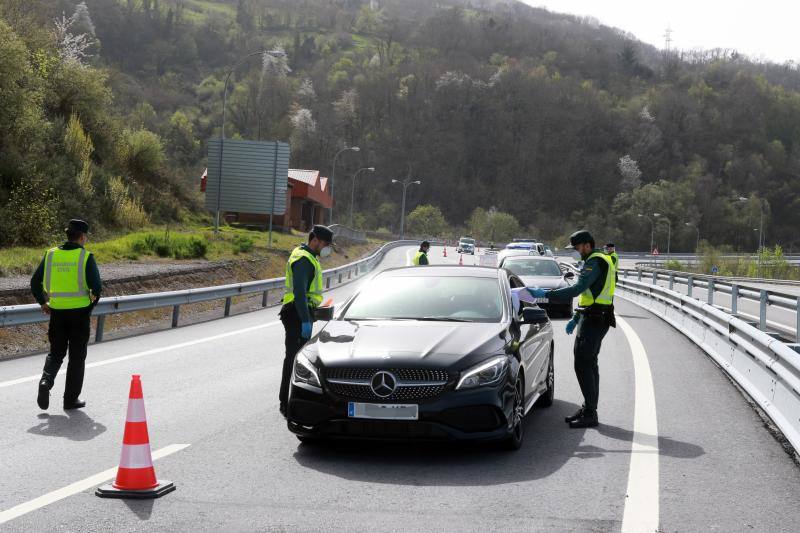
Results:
<point x="610" y="245"/>
<point x="322" y="233"/>
<point x="579" y="237"/>
<point x="424" y="244"/>
<point x="77" y="225"/>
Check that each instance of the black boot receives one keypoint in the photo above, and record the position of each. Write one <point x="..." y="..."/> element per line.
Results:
<point x="74" y="404"/>
<point x="588" y="419"/>
<point x="575" y="416"/>
<point x="43" y="399"/>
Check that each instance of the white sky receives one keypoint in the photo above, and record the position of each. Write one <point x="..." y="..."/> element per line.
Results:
<point x="762" y="29"/>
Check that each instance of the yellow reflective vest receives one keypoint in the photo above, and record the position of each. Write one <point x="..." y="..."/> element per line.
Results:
<point x="65" y="278"/>
<point x="417" y="257"/>
<point x="606" y="296"/>
<point x="314" y="293"/>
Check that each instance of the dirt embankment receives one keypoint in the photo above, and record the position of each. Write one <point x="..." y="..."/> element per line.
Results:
<point x="22" y="340"/>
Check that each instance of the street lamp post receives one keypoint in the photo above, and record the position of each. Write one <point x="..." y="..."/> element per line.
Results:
<point x="333" y="177"/>
<point x="353" y="191"/>
<point x="669" y="229"/>
<point x="222" y="128"/>
<point x="697" y="229"/>
<point x="760" y="230"/>
<point x="651" y="229"/>
<point x="405" y="183"/>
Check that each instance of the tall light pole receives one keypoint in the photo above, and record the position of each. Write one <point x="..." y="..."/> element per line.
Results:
<point x="333" y="176"/>
<point x="760" y="232"/>
<point x="222" y="128"/>
<point x="652" y="226"/>
<point x="353" y="191"/>
<point x="697" y="229"/>
<point x="669" y="228"/>
<point x="405" y="183"/>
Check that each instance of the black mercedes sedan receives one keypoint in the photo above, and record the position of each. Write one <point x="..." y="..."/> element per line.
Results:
<point x="426" y="353"/>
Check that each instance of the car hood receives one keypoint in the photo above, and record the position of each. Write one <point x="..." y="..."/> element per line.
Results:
<point x="425" y="344"/>
<point x="544" y="282"/>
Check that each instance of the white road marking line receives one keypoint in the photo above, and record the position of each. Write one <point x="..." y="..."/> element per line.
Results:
<point x="78" y="486"/>
<point x="194" y="342"/>
<point x="641" y="512"/>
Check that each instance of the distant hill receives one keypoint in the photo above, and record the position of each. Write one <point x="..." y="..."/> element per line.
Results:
<point x="555" y="119"/>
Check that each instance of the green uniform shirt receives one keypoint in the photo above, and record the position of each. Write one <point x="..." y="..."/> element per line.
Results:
<point x="593" y="277"/>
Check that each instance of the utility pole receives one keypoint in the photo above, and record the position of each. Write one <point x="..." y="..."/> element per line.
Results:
<point x="333" y="176"/>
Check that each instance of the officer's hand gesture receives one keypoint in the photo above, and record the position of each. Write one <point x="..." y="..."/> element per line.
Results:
<point x="571" y="326"/>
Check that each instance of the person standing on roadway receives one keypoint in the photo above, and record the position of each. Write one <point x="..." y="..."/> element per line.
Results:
<point x="421" y="258"/>
<point x="595" y="314"/>
<point x="303" y="295"/>
<point x="67" y="286"/>
<point x="611" y="251"/>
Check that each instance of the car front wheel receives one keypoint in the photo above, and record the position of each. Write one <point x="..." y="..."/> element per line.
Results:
<point x="514" y="439"/>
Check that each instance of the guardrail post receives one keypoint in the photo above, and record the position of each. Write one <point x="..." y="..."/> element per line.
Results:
<point x="349" y="274"/>
<point x="639" y="278"/>
<point x="689" y="286"/>
<point x="228" y="306"/>
<point x="762" y="311"/>
<point x="734" y="299"/>
<point x="797" y="320"/>
<point x="655" y="278"/>
<point x="340" y="277"/>
<point x="328" y="282"/>
<point x="176" y="313"/>
<point x="711" y="291"/>
<point x="264" y="298"/>
<point x="671" y="281"/>
<point x="101" y="323"/>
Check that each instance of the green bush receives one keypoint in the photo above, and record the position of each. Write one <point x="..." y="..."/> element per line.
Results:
<point x="673" y="264"/>
<point x="242" y="244"/>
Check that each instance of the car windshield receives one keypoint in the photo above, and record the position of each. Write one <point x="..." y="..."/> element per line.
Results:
<point x="532" y="267"/>
<point x="467" y="241"/>
<point x="445" y="298"/>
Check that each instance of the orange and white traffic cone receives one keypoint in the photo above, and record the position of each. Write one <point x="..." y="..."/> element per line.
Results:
<point x="444" y="250"/>
<point x="460" y="259"/>
<point x="136" y="477"/>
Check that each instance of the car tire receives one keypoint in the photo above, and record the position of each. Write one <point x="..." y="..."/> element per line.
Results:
<point x="515" y="437"/>
<point x="546" y="399"/>
<point x="307" y="440"/>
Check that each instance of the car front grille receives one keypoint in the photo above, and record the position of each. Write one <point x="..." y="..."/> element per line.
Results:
<point x="412" y="384"/>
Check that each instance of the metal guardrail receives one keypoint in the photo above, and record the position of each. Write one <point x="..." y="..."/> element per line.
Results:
<point x="767" y="369"/>
<point x="649" y="267"/>
<point x="348" y="233"/>
<point x="769" y="301"/>
<point x="17" y="315"/>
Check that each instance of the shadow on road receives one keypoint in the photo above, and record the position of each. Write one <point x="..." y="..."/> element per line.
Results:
<point x="76" y="425"/>
<point x="549" y="443"/>
<point x="141" y="508"/>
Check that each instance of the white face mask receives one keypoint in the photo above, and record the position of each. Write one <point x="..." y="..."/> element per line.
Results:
<point x="325" y="252"/>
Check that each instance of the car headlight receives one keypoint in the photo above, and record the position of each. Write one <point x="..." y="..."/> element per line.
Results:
<point x="486" y="373"/>
<point x="305" y="371"/>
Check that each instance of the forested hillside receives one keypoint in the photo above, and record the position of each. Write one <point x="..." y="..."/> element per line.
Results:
<point x="106" y="107"/>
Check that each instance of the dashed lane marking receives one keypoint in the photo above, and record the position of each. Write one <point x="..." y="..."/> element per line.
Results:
<point x="78" y="486"/>
<point x="641" y="512"/>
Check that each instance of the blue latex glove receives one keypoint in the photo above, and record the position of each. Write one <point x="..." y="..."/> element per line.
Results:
<point x="571" y="326"/>
<point x="305" y="330"/>
<point x="537" y="292"/>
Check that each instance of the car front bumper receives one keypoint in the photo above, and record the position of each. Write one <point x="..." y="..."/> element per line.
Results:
<point x="475" y="415"/>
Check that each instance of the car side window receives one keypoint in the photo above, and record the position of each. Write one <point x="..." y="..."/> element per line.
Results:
<point x="516" y="283"/>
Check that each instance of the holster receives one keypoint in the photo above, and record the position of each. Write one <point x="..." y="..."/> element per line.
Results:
<point x="599" y="313"/>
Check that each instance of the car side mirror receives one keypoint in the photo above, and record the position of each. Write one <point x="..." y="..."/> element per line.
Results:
<point x="324" y="314"/>
<point x="534" y="315"/>
<point x="569" y="274"/>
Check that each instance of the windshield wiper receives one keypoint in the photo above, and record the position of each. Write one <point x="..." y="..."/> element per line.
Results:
<point x="443" y="319"/>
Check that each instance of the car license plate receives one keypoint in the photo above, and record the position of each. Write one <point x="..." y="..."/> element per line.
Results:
<point x="383" y="411"/>
<point x="540" y="300"/>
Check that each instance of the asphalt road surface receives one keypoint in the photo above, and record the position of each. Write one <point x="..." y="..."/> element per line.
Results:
<point x="678" y="447"/>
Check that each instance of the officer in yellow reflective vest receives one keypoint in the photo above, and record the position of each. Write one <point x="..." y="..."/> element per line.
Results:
<point x="611" y="251"/>
<point x="67" y="286"/>
<point x="595" y="314"/>
<point x="421" y="257"/>
<point x="303" y="294"/>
